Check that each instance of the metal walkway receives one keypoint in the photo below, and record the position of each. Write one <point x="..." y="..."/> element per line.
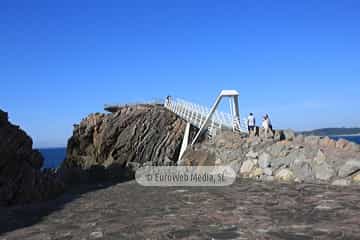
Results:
<point x="204" y="118"/>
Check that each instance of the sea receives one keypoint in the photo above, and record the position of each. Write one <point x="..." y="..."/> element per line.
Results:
<point x="355" y="139"/>
<point x="54" y="156"/>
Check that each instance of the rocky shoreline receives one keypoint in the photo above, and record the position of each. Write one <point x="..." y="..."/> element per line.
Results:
<point x="143" y="135"/>
<point x="110" y="147"/>
<point x="284" y="187"/>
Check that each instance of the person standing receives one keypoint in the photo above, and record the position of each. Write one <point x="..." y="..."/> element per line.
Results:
<point x="269" y="122"/>
<point x="266" y="124"/>
<point x="167" y="101"/>
<point x="251" y="123"/>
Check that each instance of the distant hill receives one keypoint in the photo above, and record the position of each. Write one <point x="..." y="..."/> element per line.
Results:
<point x="333" y="131"/>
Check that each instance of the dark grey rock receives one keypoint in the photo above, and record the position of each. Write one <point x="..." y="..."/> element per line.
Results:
<point x="303" y="170"/>
<point x="277" y="150"/>
<point x="21" y="177"/>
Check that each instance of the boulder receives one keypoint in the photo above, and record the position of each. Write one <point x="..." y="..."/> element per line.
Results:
<point x="247" y="167"/>
<point x="285" y="175"/>
<point x="264" y="160"/>
<point x="341" y="182"/>
<point x="198" y="157"/>
<point x="300" y="139"/>
<point x="342" y="143"/>
<point x="320" y="157"/>
<point x="312" y="140"/>
<point x="257" y="172"/>
<point x="327" y="142"/>
<point x="268" y="171"/>
<point x="350" y="167"/>
<point x="278" y="150"/>
<point x="356" y="178"/>
<point x="252" y="154"/>
<point x="267" y="178"/>
<point x="354" y="147"/>
<point x="303" y="170"/>
<point x="236" y="165"/>
<point x="283" y="161"/>
<point x="324" y="171"/>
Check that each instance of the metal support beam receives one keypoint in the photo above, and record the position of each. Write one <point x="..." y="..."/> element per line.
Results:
<point x="235" y="111"/>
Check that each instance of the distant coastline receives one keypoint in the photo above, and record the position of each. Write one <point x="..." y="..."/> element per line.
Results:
<point x="345" y="135"/>
<point x="333" y="132"/>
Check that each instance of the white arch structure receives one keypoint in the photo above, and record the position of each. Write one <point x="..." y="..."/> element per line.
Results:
<point x="210" y="119"/>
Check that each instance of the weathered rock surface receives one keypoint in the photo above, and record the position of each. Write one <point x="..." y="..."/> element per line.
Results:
<point x="245" y="210"/>
<point x="133" y="136"/>
<point x="21" y="177"/>
<point x="285" y="156"/>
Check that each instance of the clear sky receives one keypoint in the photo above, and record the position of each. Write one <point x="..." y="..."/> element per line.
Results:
<point x="299" y="61"/>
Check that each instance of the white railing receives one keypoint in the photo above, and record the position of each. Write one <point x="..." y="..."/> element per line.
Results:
<point x="196" y="115"/>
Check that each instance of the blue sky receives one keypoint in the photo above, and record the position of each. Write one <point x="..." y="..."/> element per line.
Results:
<point x="61" y="60"/>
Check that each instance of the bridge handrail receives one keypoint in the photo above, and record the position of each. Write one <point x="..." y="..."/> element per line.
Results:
<point x="196" y="114"/>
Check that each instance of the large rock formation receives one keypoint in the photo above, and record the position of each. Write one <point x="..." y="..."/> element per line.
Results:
<point x="132" y="136"/>
<point x="282" y="156"/>
<point x="21" y="177"/>
<point x="113" y="145"/>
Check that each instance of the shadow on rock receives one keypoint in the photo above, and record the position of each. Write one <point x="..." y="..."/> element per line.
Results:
<point x="77" y="182"/>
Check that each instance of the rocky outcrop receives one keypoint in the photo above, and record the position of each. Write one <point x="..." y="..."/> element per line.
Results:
<point x="283" y="155"/>
<point x="108" y="146"/>
<point x="21" y="177"/>
<point x="116" y="143"/>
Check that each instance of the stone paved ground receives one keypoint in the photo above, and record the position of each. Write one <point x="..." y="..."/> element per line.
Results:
<point x="245" y="210"/>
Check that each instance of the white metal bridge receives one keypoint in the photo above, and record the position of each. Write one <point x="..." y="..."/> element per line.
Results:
<point x="204" y="118"/>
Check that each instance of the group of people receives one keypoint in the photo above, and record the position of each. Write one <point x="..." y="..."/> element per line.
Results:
<point x="266" y="124"/>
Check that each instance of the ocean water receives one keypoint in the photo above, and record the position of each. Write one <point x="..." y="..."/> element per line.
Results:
<point x="53" y="156"/>
<point x="355" y="139"/>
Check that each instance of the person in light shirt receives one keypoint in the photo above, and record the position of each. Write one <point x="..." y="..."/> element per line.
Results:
<point x="251" y="123"/>
<point x="266" y="124"/>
